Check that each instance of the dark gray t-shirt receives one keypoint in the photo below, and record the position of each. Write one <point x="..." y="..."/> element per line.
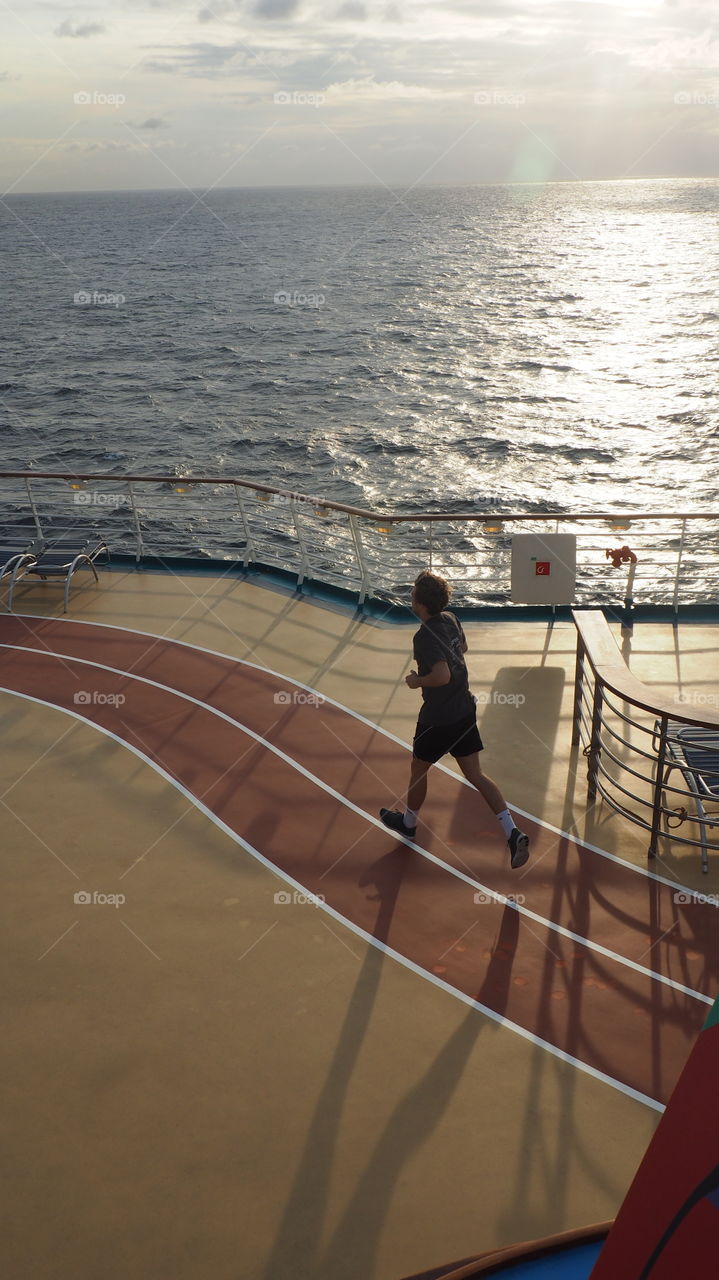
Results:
<point x="440" y="639"/>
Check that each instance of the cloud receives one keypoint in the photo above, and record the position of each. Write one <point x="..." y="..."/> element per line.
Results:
<point x="152" y="122"/>
<point x="369" y="90"/>
<point x="353" y="10"/>
<point x="105" y="144"/>
<point x="201" y="59"/>
<point x="81" y="32"/>
<point x="276" y="8"/>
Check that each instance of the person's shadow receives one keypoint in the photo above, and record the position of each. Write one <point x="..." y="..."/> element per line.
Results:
<point x="351" y="1250"/>
<point x="297" y="1239"/>
<point x="413" y="1121"/>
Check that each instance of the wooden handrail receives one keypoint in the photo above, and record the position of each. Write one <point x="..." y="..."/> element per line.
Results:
<point x="395" y="517"/>
<point x="611" y="670"/>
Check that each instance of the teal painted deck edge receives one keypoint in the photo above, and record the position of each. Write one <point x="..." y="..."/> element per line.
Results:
<point x="379" y="610"/>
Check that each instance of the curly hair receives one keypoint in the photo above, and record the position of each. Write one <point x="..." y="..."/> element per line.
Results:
<point x="432" y="591"/>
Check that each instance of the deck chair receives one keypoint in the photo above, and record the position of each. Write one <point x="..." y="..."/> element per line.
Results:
<point x="15" y="560"/>
<point x="695" y="753"/>
<point x="61" y="558"/>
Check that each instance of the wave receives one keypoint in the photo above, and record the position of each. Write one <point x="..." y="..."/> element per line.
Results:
<point x="538" y="365"/>
<point x="530" y="399"/>
<point x="389" y="446"/>
<point x="696" y="419"/>
<point x="574" y="453"/>
<point x="482" y="444"/>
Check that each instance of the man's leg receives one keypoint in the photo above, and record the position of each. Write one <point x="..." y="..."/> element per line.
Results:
<point x="417" y="789"/>
<point x="406" y="823"/>
<point x="472" y="770"/>
<point x="518" y="842"/>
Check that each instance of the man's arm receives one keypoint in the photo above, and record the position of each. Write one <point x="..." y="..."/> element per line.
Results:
<point x="439" y="675"/>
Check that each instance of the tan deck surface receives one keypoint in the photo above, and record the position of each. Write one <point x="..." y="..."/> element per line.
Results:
<point x="205" y="1083"/>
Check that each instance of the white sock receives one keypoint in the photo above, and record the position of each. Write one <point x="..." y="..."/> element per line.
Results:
<point x="410" y="818"/>
<point x="507" y="821"/>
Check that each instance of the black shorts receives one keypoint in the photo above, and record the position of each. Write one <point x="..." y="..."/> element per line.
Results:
<point x="433" y="741"/>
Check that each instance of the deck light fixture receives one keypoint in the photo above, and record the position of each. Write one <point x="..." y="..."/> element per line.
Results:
<point x="492" y="526"/>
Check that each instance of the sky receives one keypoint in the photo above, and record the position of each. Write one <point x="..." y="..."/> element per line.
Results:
<point x="148" y="94"/>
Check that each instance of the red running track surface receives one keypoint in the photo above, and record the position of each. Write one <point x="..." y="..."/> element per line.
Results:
<point x="627" y="1025"/>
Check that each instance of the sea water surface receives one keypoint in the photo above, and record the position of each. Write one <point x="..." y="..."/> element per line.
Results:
<point x="528" y="347"/>
<point x="545" y="344"/>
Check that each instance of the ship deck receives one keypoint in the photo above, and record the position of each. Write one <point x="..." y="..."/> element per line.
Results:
<point x="280" y="1043"/>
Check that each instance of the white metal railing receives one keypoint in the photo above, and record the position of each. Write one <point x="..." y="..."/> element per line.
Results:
<point x="367" y="552"/>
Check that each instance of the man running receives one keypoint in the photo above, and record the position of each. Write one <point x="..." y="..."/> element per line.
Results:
<point x="448" y="717"/>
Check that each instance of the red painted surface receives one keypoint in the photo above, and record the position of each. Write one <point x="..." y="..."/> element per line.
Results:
<point x="625" y="1024"/>
<point x="666" y="1228"/>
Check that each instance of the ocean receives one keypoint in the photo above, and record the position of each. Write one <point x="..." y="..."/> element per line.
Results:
<point x="539" y="347"/>
<point x="460" y="349"/>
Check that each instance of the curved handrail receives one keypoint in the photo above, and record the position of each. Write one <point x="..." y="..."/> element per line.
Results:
<point x="346" y="546"/>
<point x="396" y="517"/>
<point x="608" y="665"/>
<point x="597" y="649"/>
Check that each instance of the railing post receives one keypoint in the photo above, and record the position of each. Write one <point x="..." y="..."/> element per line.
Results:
<point x="249" y="542"/>
<point x="578" y="689"/>
<point x="658" y="785"/>
<point x="359" y="552"/>
<point x="33" y="508"/>
<point x="595" y="745"/>
<point x="679" y="564"/>
<point x="629" y="598"/>
<point x="304" y="558"/>
<point x="139" y="548"/>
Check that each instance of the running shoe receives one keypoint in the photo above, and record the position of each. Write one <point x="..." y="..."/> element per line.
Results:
<point x="518" y="848"/>
<point x="393" y="819"/>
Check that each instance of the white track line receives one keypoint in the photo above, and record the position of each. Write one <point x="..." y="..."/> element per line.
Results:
<point x="336" y="795"/>
<point x="675" y="885"/>
<point x="361" y="933"/>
